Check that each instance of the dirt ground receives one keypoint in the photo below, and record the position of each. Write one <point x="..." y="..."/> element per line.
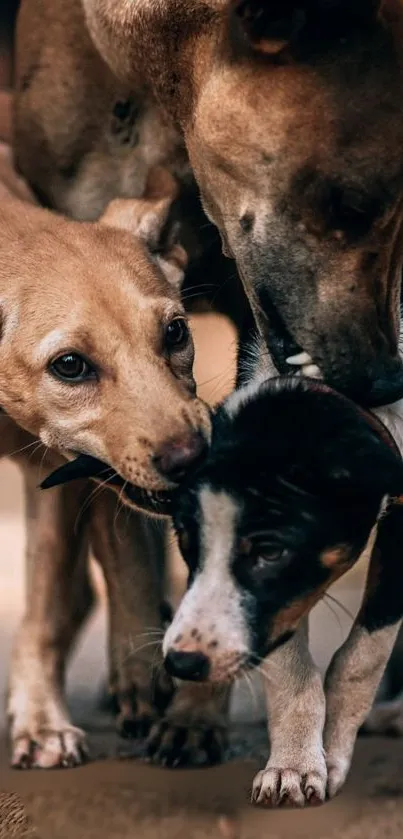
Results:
<point x="117" y="796"/>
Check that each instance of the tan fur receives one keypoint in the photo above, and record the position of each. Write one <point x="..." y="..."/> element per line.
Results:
<point x="98" y="293"/>
<point x="295" y="774"/>
<point x="93" y="288"/>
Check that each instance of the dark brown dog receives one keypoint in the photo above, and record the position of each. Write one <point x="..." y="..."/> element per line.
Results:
<point x="291" y="116"/>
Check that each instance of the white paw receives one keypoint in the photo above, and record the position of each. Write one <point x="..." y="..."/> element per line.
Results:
<point x="337" y="771"/>
<point x="290" y="787"/>
<point x="41" y="735"/>
<point x="49" y="749"/>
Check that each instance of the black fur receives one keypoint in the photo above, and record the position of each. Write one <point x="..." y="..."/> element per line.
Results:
<point x="307" y="471"/>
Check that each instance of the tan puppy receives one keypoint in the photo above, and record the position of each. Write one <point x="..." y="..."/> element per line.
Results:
<point x="93" y="343"/>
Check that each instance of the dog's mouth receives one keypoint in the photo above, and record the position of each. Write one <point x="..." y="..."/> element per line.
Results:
<point x="288" y="356"/>
<point x="85" y="466"/>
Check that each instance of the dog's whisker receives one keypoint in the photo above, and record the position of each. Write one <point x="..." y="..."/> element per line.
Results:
<point x="35" y="450"/>
<point x="99" y="487"/>
<point x="40" y="467"/>
<point x="120" y="505"/>
<point x="35" y="443"/>
<point x="249" y="681"/>
<point x="196" y="287"/>
<point x="333" y="612"/>
<point x="338" y="603"/>
<point x="137" y="650"/>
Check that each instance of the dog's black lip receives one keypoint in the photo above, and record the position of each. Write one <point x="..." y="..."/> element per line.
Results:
<point x="280" y="341"/>
<point x="85" y="466"/>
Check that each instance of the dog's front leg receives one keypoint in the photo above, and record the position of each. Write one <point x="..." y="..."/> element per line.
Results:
<point x="59" y="597"/>
<point x="357" y="668"/>
<point x="295" y="774"/>
<point x="130" y="549"/>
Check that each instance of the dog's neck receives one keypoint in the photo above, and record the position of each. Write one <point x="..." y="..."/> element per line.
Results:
<point x="173" y="50"/>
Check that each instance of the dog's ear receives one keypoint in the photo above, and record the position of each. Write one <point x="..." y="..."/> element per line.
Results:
<point x="363" y="466"/>
<point x="271" y="25"/>
<point x="149" y="219"/>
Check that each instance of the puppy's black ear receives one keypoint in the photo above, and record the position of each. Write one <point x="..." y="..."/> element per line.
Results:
<point x="363" y="466"/>
<point x="270" y="25"/>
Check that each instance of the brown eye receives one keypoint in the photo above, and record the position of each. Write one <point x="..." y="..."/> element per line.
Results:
<point x="266" y="564"/>
<point x="176" y="334"/>
<point x="72" y="368"/>
<point x="272" y="556"/>
<point x="352" y="212"/>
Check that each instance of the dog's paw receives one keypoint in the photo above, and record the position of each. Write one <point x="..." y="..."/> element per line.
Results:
<point x="136" y="716"/>
<point x="141" y="697"/>
<point x="40" y="732"/>
<point x="290" y="787"/>
<point x="194" y="739"/>
<point x="386" y="718"/>
<point x="49" y="749"/>
<point x="337" y="771"/>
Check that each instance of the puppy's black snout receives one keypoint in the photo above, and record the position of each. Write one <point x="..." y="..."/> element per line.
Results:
<point x="193" y="667"/>
<point x="177" y="456"/>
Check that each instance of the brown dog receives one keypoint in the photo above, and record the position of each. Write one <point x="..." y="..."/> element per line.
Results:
<point x="292" y="117"/>
<point x="93" y="343"/>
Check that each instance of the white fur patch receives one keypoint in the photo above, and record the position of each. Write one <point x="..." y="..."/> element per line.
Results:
<point x="52" y="343"/>
<point x="212" y="606"/>
<point x="392" y="417"/>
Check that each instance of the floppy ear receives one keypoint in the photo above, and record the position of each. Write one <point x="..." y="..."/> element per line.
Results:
<point x="363" y="466"/>
<point x="271" y="25"/>
<point x="148" y="219"/>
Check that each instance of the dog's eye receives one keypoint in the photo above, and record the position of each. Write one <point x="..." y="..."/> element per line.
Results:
<point x="176" y="334"/>
<point x="274" y="555"/>
<point x="352" y="212"/>
<point x="72" y="368"/>
<point x="265" y="566"/>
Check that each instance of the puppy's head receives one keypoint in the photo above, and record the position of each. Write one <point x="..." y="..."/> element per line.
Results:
<point x="284" y="505"/>
<point x="95" y="353"/>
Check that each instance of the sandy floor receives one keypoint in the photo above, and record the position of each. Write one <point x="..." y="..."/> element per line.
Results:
<point x="115" y="796"/>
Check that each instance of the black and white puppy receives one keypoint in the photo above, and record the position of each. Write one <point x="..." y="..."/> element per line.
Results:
<point x="296" y="479"/>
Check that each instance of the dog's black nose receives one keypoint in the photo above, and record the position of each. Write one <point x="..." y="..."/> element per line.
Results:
<point x="176" y="456"/>
<point x="193" y="667"/>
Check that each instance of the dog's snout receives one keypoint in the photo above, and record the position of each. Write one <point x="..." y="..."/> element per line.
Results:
<point x="192" y="666"/>
<point x="176" y="456"/>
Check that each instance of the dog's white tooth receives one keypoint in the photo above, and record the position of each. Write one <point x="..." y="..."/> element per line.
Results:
<point x="311" y="371"/>
<point x="300" y="359"/>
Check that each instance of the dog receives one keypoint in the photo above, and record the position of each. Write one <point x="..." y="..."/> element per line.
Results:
<point x="289" y="115"/>
<point x="94" y="340"/>
<point x="297" y="482"/>
<point x="250" y="98"/>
